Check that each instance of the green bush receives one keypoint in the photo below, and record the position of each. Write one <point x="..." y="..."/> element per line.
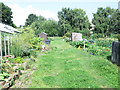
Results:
<point x="97" y="50"/>
<point x="19" y="60"/>
<point x="4" y="75"/>
<point x="16" y="60"/>
<point x="36" y="43"/>
<point x="104" y="43"/>
<point x="80" y="44"/>
<point x="22" y="43"/>
<point x="118" y="36"/>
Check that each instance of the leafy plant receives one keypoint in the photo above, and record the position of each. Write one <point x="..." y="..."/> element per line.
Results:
<point x="97" y="50"/>
<point x="19" y="60"/>
<point x="104" y="43"/>
<point x="4" y="75"/>
<point x="118" y="37"/>
<point x="20" y="43"/>
<point x="80" y="44"/>
<point x="36" y="43"/>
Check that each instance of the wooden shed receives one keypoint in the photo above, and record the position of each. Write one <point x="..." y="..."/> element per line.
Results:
<point x="6" y="34"/>
<point x="43" y="35"/>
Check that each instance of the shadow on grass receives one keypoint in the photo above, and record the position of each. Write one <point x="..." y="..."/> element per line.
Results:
<point x="108" y="57"/>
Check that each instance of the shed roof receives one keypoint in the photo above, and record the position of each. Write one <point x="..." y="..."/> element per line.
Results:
<point x="43" y="33"/>
<point x="7" y="28"/>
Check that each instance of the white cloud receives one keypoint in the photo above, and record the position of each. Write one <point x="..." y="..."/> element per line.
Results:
<point x="21" y="13"/>
<point x="60" y="0"/>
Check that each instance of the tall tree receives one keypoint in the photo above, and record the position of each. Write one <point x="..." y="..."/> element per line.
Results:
<point x="31" y="18"/>
<point x="102" y="20"/>
<point x="38" y="25"/>
<point x="115" y="23"/>
<point x="47" y="26"/>
<point x="6" y="15"/>
<point x="72" y="20"/>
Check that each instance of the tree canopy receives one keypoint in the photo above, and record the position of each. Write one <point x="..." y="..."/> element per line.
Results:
<point x="115" y="22"/>
<point x="72" y="20"/>
<point x="31" y="18"/>
<point x="6" y="15"/>
<point x="102" y="20"/>
<point x="47" y="26"/>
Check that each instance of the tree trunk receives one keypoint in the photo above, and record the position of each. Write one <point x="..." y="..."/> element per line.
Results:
<point x="116" y="53"/>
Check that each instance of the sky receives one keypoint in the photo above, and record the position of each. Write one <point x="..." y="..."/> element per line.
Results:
<point x="49" y="8"/>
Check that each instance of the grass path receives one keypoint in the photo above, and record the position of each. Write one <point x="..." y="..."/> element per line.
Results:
<point x="68" y="67"/>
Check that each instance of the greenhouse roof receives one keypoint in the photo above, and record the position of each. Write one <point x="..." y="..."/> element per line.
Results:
<point x="8" y="29"/>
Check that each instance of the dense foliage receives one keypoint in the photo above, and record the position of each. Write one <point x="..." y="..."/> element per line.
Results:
<point x="104" y="20"/>
<point x="115" y="22"/>
<point x="100" y="47"/>
<point x="48" y="26"/>
<point x="31" y="18"/>
<point x="6" y="15"/>
<point x="72" y="20"/>
<point x="23" y="43"/>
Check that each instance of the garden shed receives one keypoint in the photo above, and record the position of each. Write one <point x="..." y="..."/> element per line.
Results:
<point x="6" y="35"/>
<point x="76" y="36"/>
<point x="43" y="35"/>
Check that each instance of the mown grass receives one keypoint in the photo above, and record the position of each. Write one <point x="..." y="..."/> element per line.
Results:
<point x="68" y="67"/>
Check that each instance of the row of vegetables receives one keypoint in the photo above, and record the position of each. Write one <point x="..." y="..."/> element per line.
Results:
<point x="100" y="47"/>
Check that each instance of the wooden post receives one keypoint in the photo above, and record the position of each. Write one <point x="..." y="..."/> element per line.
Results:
<point x="116" y="53"/>
<point x="5" y="44"/>
<point x="0" y="46"/>
<point x="84" y="45"/>
<point x="8" y="46"/>
<point x="0" y="52"/>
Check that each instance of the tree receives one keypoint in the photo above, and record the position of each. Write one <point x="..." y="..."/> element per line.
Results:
<point x="72" y="20"/>
<point x="38" y="25"/>
<point x="47" y="26"/>
<point x="115" y="23"/>
<point x="51" y="27"/>
<point x="6" y="15"/>
<point x="31" y="18"/>
<point x="102" y="20"/>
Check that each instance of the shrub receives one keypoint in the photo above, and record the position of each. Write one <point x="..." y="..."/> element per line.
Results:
<point x="80" y="44"/>
<point x="104" y="43"/>
<point x="18" y="60"/>
<point x="118" y="36"/>
<point x="36" y="43"/>
<point x="20" y="43"/>
<point x="97" y="50"/>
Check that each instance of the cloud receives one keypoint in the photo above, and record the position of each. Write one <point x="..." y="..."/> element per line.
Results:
<point x="21" y="13"/>
<point x="60" y="0"/>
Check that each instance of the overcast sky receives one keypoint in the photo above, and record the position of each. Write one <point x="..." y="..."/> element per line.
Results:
<point x="49" y="8"/>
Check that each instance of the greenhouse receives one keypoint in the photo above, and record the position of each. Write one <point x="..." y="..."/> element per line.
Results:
<point x="6" y="35"/>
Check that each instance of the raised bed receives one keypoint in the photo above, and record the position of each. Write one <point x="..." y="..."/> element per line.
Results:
<point x="10" y="81"/>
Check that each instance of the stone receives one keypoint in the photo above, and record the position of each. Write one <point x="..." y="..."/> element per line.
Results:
<point x="9" y="79"/>
<point x="15" y="76"/>
<point x="6" y="85"/>
<point x="34" y="68"/>
<point x="19" y="72"/>
<point x="2" y="83"/>
<point x="32" y="59"/>
<point x="11" y="82"/>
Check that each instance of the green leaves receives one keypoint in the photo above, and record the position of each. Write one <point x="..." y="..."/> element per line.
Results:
<point x="6" y="13"/>
<point x="102" y="20"/>
<point x="72" y="20"/>
<point x="31" y="18"/>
